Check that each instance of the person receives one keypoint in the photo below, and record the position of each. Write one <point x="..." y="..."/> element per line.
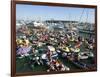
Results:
<point x="44" y="59"/>
<point x="54" y="55"/>
<point x="78" y="44"/>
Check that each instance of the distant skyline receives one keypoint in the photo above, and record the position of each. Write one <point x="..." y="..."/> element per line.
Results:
<point x="37" y="12"/>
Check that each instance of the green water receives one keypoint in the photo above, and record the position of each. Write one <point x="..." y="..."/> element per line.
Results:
<point x="23" y="66"/>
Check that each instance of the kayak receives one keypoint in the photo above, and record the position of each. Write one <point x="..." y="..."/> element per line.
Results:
<point x="51" y="48"/>
<point x="66" y="49"/>
<point x="19" y="41"/>
<point x="75" y="49"/>
<point x="72" y="39"/>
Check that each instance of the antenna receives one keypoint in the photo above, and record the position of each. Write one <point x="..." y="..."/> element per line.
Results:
<point x="85" y="27"/>
<point x="81" y="15"/>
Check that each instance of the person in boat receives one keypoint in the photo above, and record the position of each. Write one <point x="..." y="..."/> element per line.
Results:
<point x="46" y="57"/>
<point x="75" y="57"/>
<point x="72" y="39"/>
<point x="78" y="44"/>
<point x="39" y="59"/>
<point x="36" y="59"/>
<point x="57" y="65"/>
<point x="54" y="55"/>
<point x="91" y="44"/>
<point x="59" y="52"/>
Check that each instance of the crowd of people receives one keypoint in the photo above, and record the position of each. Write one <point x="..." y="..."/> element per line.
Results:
<point x="47" y="46"/>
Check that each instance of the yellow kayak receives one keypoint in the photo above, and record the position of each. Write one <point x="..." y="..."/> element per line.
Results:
<point x="75" y="49"/>
<point x="72" y="39"/>
<point x="18" y="41"/>
<point x="66" y="49"/>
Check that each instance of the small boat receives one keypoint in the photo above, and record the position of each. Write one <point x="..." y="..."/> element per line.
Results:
<point x="80" y="64"/>
<point x="85" y="55"/>
<point x="51" y="48"/>
<point x="66" y="49"/>
<point x="75" y="49"/>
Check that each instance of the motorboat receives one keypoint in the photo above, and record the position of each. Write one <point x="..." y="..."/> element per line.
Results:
<point x="85" y="55"/>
